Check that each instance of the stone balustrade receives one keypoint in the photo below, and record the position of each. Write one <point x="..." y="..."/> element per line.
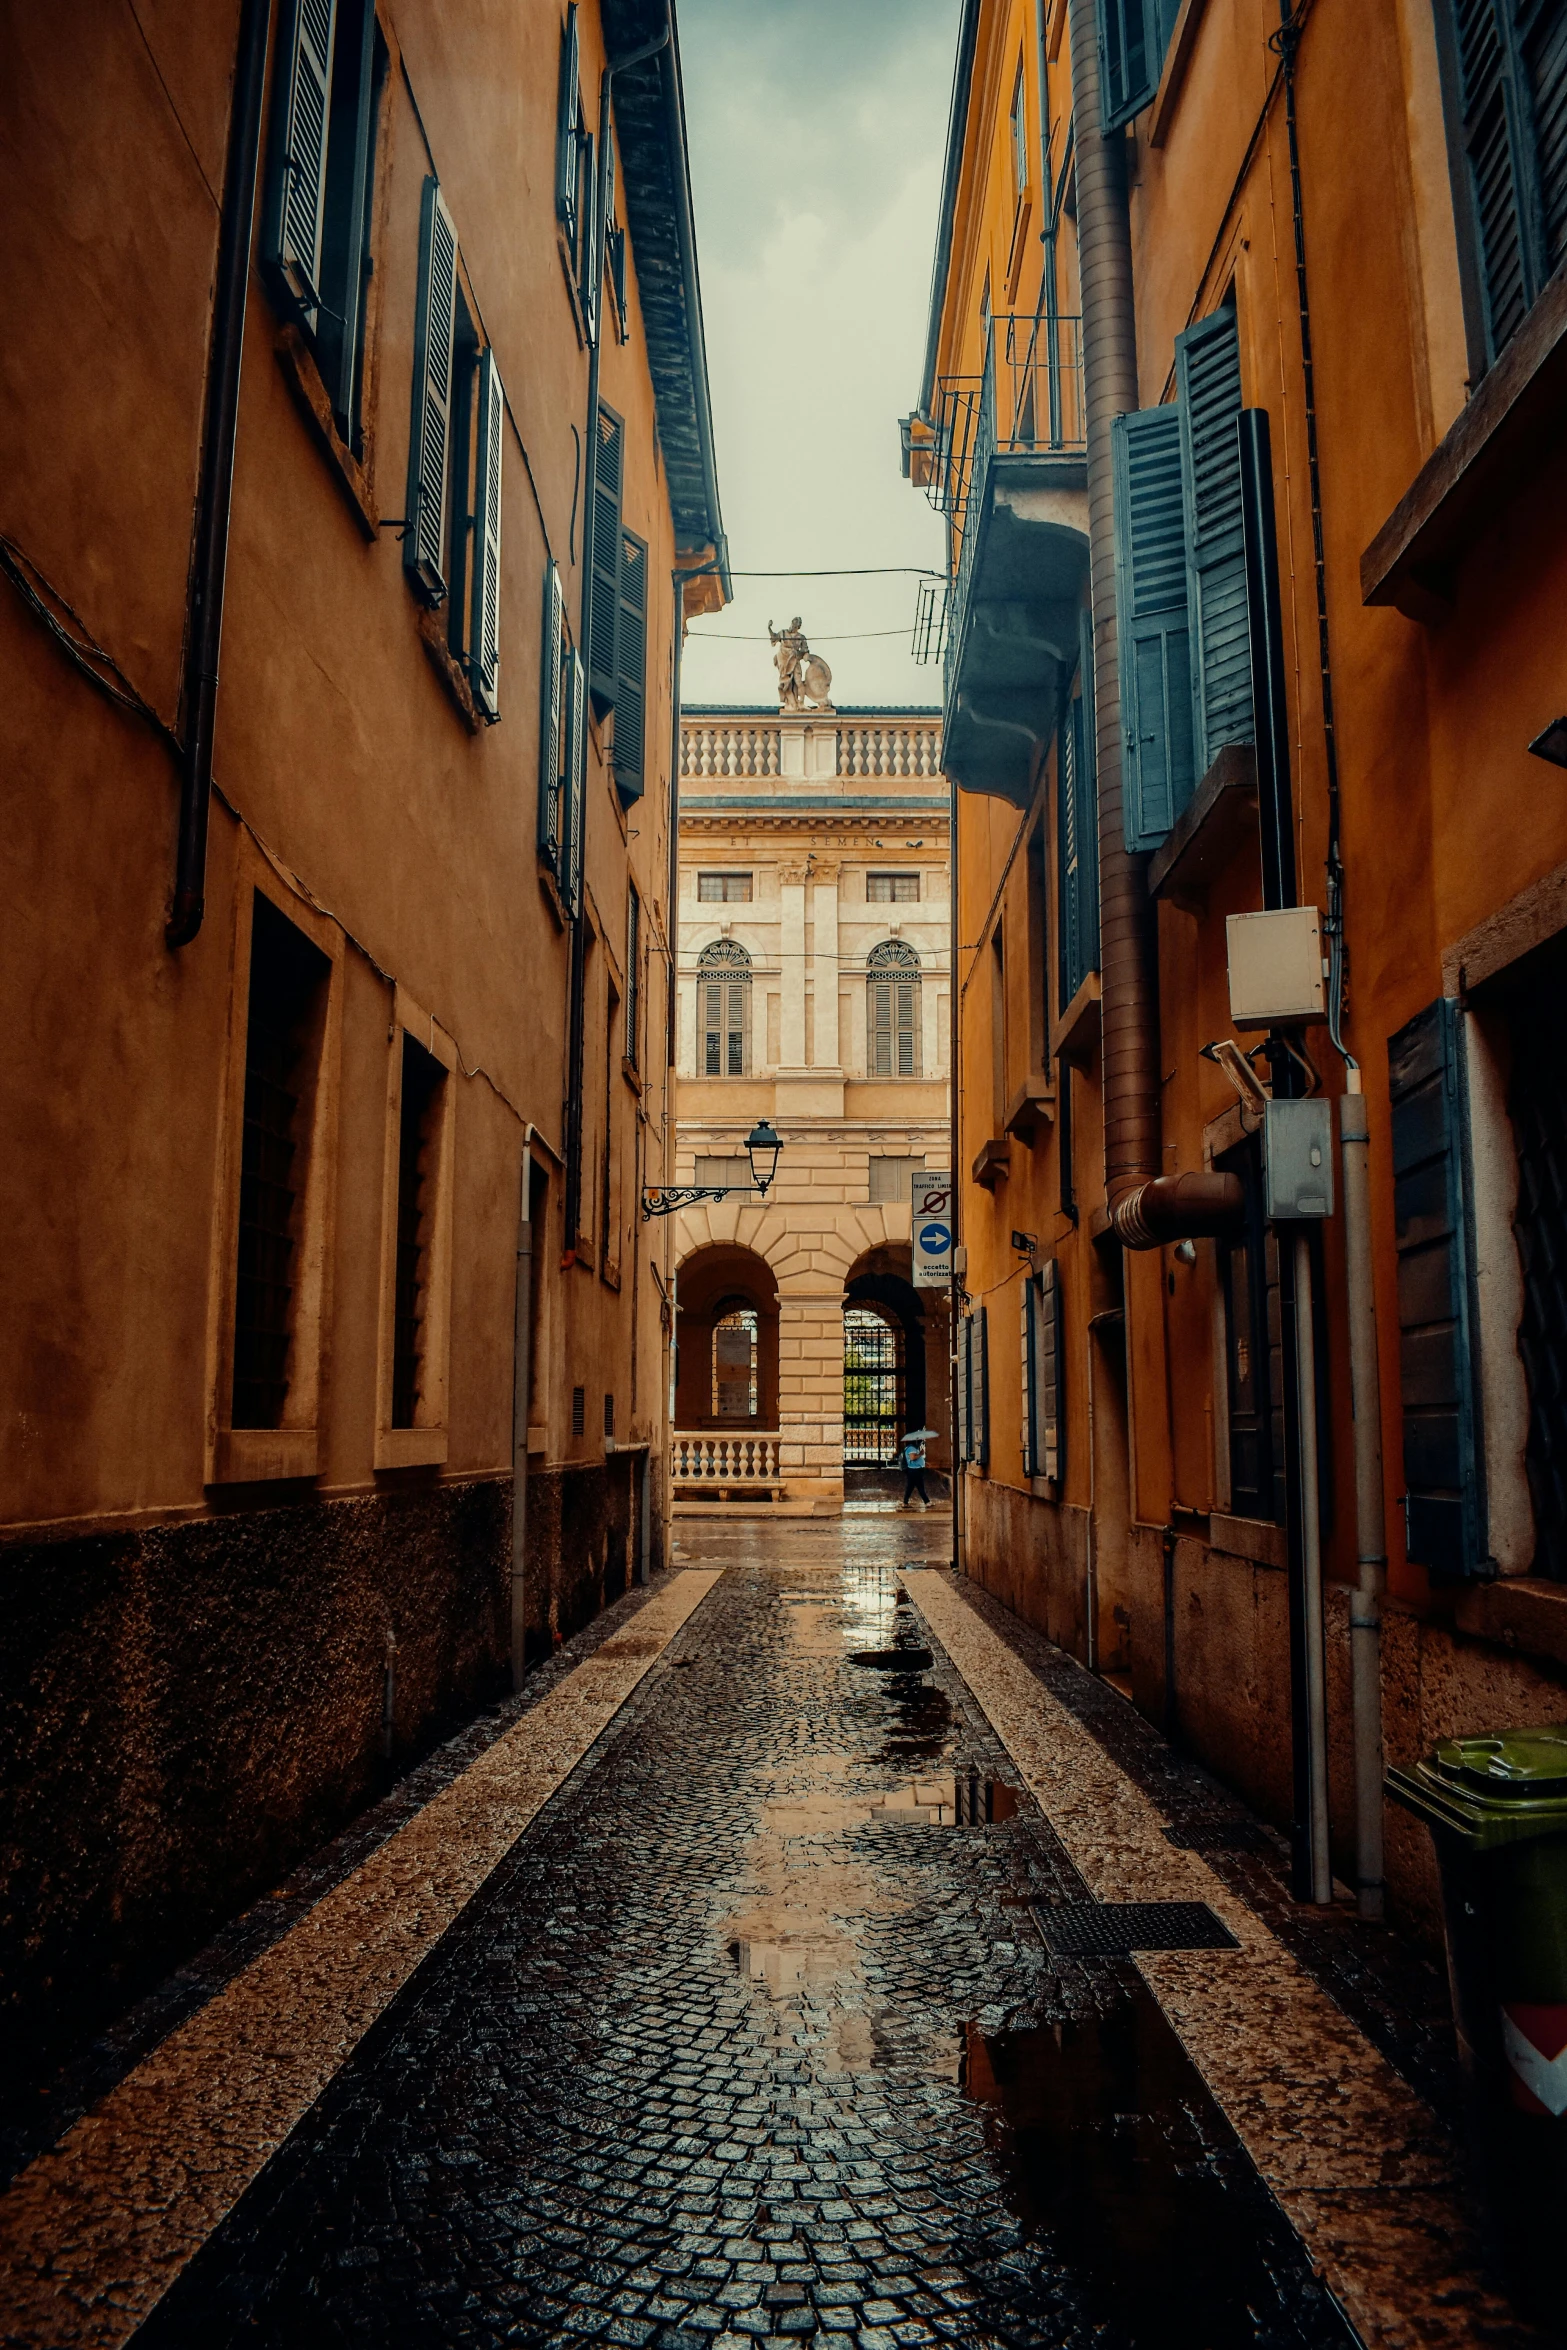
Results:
<point x="716" y="1461"/>
<point x="754" y="750"/>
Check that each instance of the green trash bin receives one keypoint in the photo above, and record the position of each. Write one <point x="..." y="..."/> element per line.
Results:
<point x="1497" y="1811"/>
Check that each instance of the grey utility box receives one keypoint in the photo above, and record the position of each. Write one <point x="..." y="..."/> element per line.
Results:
<point x="1297" y="1160"/>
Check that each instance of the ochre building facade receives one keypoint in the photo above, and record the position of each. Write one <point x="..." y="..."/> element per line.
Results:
<point x="814" y="990"/>
<point x="337" y="941"/>
<point x="1218" y="293"/>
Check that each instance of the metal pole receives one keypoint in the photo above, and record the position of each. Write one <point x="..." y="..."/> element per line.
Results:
<point x="1365" y="1606"/>
<point x="1316" y="1710"/>
<point x="522" y="1348"/>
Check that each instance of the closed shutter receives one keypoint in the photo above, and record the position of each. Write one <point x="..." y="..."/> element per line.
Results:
<point x="567" y="126"/>
<point x="604" y="599"/>
<point x="1028" y="1386"/>
<point x="1494" y="145"/>
<point x="552" y="726"/>
<point x="881" y="1027"/>
<point x="908" y="1027"/>
<point x="1077" y="829"/>
<point x="1443" y="1502"/>
<point x="485" y="660"/>
<point x="631" y="670"/>
<point x="964" y="1390"/>
<point x="424" y="536"/>
<point x="576" y="811"/>
<point x="1208" y="372"/>
<point x="1151" y="622"/>
<point x="1543" y="41"/>
<point x="981" y="1386"/>
<point x="1048" y="1375"/>
<point x="296" y="176"/>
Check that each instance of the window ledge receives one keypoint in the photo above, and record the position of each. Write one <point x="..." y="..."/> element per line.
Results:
<point x="631" y="1073"/>
<point x="410" y="1448"/>
<point x="252" y="1456"/>
<point x="1220" y="818"/>
<point x="1507" y="431"/>
<point x="993" y="1163"/>
<point x="1032" y="1106"/>
<point x="1248" y="1538"/>
<point x="1178" y="56"/>
<point x="432" y="635"/>
<point x="1520" y="1612"/>
<point x="303" y="377"/>
<point x="1075" y="1036"/>
<point x="551" y="888"/>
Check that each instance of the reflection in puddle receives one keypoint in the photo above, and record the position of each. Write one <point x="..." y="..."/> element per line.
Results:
<point x="894" y="1660"/>
<point x="1098" y="2134"/>
<point x="790" y="1965"/>
<point x="924" y="1721"/>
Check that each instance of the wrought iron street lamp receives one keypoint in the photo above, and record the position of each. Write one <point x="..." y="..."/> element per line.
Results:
<point x="761" y="1148"/>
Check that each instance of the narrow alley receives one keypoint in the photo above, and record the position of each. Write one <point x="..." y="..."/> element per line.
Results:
<point x="797" y="2010"/>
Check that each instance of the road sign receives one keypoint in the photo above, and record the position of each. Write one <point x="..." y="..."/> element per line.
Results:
<point x="931" y="1228"/>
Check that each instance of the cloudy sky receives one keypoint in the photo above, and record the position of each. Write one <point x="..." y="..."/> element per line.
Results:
<point x="816" y="131"/>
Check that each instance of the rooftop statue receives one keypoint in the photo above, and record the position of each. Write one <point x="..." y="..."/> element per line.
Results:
<point x="804" y="679"/>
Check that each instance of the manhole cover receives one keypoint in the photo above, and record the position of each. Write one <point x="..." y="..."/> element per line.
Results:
<point x="1114" y="1929"/>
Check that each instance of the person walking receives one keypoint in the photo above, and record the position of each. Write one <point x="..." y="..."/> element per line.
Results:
<point x="911" y="1455"/>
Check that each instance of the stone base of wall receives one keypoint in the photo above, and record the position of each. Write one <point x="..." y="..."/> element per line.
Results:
<point x="1230" y="1702"/>
<point x="186" y="1710"/>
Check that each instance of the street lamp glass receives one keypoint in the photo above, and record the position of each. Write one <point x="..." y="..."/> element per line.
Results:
<point x="762" y="1147"/>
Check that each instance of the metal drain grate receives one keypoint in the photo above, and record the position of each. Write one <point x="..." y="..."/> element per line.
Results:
<point x="1114" y="1929"/>
<point x="1217" y="1836"/>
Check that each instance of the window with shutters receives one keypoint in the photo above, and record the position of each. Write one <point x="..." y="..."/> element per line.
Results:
<point x="973" y="1389"/>
<point x="1444" y="1515"/>
<point x="892" y="1024"/>
<point x="1159" y="772"/>
<point x="734" y="1360"/>
<point x="328" y="76"/>
<point x="724" y="1010"/>
<point x="723" y="889"/>
<point x="606" y="555"/>
<point x="1133" y="38"/>
<point x="1019" y="128"/>
<point x="630" y="743"/>
<point x="562" y="746"/>
<point x="633" y="1043"/>
<point x="891" y="1180"/>
<point x="1506" y="84"/>
<point x="1077" y="831"/>
<point x="1208" y="379"/>
<point x="892" y="889"/>
<point x="574" y="145"/>
<point x="416" y="1246"/>
<point x="1249" y="1281"/>
<point x="1041" y="1373"/>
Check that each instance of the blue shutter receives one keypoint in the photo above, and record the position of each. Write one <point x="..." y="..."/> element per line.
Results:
<point x="981" y="1386"/>
<point x="567" y="124"/>
<point x="424" y="536"/>
<point x="1127" y="73"/>
<point x="631" y="670"/>
<point x="296" y="176"/>
<point x="485" y="658"/>
<point x="575" y="816"/>
<point x="552" y="722"/>
<point x="1049" y="1404"/>
<point x="1208" y="374"/>
<point x="1444" y="1502"/>
<point x="1152" y="640"/>
<point x="1077" y="830"/>
<point x="605" y="556"/>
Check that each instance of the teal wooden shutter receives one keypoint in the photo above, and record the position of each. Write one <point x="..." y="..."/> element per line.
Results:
<point x="1077" y="830"/>
<point x="552" y="721"/>
<point x="576" y="783"/>
<point x="1512" y="71"/>
<point x="631" y="670"/>
<point x="345" y="240"/>
<point x="1028" y="1317"/>
<point x="1133" y="37"/>
<point x="1152" y="633"/>
<point x="1542" y="27"/>
<point x="1443" y="1501"/>
<point x="1041" y="1372"/>
<point x="424" y="537"/>
<point x="296" y="177"/>
<point x="962" y="1391"/>
<point x="981" y="1405"/>
<point x="1208" y="373"/>
<point x="484" y="660"/>
<point x="567" y="125"/>
<point x="604" y="595"/>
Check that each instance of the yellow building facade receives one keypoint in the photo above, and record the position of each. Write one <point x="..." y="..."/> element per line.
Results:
<point x="814" y="990"/>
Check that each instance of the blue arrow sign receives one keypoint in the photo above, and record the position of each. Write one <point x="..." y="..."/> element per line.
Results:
<point x="935" y="1239"/>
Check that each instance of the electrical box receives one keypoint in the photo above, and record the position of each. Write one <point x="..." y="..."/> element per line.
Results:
<point x="1276" y="977"/>
<point x="1297" y="1160"/>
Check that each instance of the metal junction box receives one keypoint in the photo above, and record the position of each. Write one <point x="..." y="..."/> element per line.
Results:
<point x="1276" y="968"/>
<point x="1297" y="1160"/>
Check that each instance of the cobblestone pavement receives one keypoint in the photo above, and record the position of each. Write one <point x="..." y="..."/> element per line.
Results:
<point x="747" y="2039"/>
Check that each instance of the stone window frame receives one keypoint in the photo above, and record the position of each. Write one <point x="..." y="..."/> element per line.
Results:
<point x="427" y="1443"/>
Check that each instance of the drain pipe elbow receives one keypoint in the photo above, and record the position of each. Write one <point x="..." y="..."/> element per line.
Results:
<point x="1178" y="1207"/>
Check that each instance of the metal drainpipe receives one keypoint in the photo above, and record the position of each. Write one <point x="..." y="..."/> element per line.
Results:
<point x="1365" y="1605"/>
<point x="1129" y="1047"/>
<point x="522" y="1371"/>
<point x="576" y="1019"/>
<point x="209" y="561"/>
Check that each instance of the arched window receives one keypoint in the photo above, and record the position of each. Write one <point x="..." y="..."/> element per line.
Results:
<point x="872" y="1386"/>
<point x="723" y="997"/>
<point x="893" y="1014"/>
<point x="734" y="1360"/>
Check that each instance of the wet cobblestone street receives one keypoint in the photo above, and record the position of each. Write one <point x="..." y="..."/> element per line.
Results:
<point x="748" y="2039"/>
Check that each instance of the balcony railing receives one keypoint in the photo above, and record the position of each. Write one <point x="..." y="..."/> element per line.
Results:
<point x="714" y="1463"/>
<point x="754" y="751"/>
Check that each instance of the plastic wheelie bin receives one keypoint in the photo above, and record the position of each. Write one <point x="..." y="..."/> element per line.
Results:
<point x="1497" y="1811"/>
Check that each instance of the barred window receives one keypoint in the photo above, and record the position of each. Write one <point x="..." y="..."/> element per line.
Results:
<point x="893" y="1011"/>
<point x="724" y="1009"/>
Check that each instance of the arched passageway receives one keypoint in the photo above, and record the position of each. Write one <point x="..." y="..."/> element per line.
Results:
<point x="896" y="1373"/>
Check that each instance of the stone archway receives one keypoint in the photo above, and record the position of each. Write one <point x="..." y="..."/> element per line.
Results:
<point x="717" y="1288"/>
<point x="881" y="1279"/>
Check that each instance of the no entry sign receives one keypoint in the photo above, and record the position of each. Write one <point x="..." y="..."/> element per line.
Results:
<point x="931" y="1228"/>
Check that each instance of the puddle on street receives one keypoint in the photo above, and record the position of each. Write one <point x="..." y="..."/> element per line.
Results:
<point x="894" y="1660"/>
<point x="1096" y="2127"/>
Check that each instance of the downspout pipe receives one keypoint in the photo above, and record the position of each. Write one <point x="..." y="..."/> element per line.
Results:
<point x="576" y="1009"/>
<point x="1127" y="968"/>
<point x="522" y="1378"/>
<point x="1365" y="1601"/>
<point x="209" y="559"/>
